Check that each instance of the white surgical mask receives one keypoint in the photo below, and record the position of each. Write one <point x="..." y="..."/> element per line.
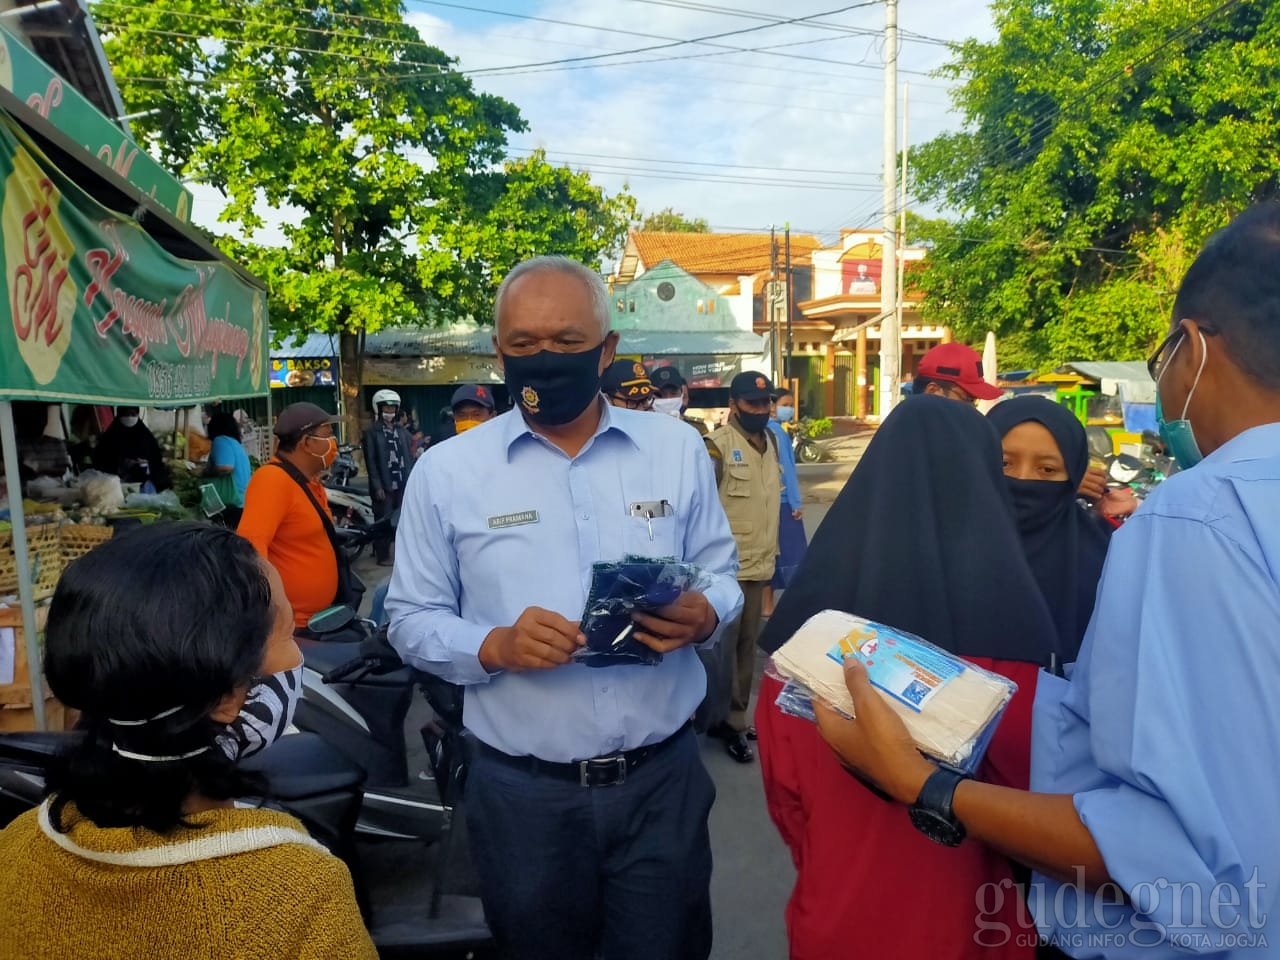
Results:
<point x="129" y="421"/>
<point x="671" y="406"/>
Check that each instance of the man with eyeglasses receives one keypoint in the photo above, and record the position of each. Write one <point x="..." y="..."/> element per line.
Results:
<point x="626" y="384"/>
<point x="1150" y="827"/>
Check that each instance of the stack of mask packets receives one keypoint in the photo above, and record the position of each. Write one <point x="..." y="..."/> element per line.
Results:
<point x="949" y="706"/>
<point x="622" y="588"/>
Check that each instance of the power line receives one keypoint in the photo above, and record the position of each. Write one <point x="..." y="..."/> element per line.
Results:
<point x="816" y="24"/>
<point x="694" y="40"/>
<point x="1093" y="90"/>
<point x="570" y="63"/>
<point x="703" y="163"/>
<point x="703" y="176"/>
<point x="1091" y="93"/>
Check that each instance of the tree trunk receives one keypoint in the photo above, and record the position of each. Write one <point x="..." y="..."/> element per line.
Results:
<point x="351" y="371"/>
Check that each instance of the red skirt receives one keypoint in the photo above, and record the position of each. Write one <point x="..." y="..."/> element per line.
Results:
<point x="869" y="885"/>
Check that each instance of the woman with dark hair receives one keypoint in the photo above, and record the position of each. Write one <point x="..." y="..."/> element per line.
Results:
<point x="921" y="538"/>
<point x="158" y="637"/>
<point x="228" y="465"/>
<point x="1046" y="455"/>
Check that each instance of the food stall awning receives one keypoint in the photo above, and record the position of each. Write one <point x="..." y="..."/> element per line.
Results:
<point x="40" y="87"/>
<point x="1112" y="375"/>
<point x="101" y="313"/>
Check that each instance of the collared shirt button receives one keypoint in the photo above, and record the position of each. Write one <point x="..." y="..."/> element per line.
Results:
<point x="586" y="516"/>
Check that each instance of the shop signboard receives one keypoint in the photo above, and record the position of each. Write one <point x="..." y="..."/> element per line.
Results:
<point x="97" y="311"/>
<point x="303" y="372"/>
<point x="701" y="372"/>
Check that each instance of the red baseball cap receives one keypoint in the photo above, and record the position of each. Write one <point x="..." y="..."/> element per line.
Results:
<point x="961" y="365"/>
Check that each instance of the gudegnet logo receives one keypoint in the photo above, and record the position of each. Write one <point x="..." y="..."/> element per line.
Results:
<point x="38" y="254"/>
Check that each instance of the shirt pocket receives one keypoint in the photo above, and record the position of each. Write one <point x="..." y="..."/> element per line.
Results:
<point x="664" y="541"/>
<point x="737" y="480"/>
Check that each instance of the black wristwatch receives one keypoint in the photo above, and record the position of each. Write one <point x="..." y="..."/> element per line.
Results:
<point x="931" y="813"/>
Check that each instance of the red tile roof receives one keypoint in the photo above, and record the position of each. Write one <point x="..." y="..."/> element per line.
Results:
<point x="719" y="253"/>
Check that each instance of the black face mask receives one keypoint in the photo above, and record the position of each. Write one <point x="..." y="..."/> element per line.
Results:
<point x="554" y="388"/>
<point x="1035" y="502"/>
<point x="753" y="422"/>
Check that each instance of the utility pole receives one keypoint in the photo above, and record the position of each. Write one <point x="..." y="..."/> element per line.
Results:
<point x="890" y="333"/>
<point x="791" y="302"/>
<point x="902" y="198"/>
<point x="771" y="304"/>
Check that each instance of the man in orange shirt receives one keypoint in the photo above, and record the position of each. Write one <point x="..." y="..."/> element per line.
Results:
<point x="282" y="522"/>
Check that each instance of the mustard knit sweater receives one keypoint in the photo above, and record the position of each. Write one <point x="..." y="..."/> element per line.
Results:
<point x="240" y="885"/>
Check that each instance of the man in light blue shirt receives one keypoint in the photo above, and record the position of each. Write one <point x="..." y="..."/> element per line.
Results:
<point x="1154" y="831"/>
<point x="587" y="802"/>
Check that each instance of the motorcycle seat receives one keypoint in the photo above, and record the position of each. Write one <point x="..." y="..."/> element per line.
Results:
<point x="36" y="745"/>
<point x="302" y="765"/>
<point x="356" y="485"/>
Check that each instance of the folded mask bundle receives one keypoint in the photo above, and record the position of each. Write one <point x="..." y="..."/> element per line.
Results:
<point x="950" y="706"/>
<point x="620" y="589"/>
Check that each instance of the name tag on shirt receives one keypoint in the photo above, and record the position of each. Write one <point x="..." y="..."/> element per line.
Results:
<point x="513" y="520"/>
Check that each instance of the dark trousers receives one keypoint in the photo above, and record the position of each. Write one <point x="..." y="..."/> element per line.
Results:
<point x="744" y="650"/>
<point x="392" y="501"/>
<point x="576" y="873"/>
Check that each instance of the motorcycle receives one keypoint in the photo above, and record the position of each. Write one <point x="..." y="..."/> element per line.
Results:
<point x="348" y="494"/>
<point x="356" y="695"/>
<point x="332" y="794"/>
<point x="806" y="450"/>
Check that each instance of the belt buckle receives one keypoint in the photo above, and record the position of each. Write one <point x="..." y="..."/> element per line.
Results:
<point x="602" y="772"/>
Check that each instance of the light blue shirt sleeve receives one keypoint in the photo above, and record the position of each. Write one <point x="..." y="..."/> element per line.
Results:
<point x="422" y="601"/>
<point x="787" y="457"/>
<point x="1168" y="735"/>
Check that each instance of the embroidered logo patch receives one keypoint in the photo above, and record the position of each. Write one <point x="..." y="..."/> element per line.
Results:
<point x="737" y="456"/>
<point x="513" y="519"/>
<point x="529" y="397"/>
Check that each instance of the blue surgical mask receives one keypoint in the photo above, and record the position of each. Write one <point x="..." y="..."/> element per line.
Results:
<point x="786" y="414"/>
<point x="1177" y="434"/>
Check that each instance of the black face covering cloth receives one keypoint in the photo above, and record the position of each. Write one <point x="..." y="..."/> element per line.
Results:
<point x="1064" y="543"/>
<point x="922" y="538"/>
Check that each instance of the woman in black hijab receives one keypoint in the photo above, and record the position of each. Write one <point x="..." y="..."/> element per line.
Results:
<point x="921" y="538"/>
<point x="1046" y="454"/>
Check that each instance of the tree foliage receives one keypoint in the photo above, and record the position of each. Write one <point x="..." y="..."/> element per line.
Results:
<point x="1103" y="141"/>
<point x="388" y="170"/>
<point x="668" y="220"/>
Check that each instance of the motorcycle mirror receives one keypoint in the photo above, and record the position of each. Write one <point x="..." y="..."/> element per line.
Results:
<point x="331" y="619"/>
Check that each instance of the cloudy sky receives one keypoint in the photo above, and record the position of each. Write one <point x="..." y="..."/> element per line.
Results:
<point x="759" y="123"/>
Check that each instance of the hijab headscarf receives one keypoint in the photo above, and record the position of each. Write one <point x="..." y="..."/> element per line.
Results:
<point x="922" y="538"/>
<point x="1065" y="544"/>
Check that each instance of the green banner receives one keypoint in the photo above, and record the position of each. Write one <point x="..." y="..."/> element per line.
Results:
<point x="37" y="85"/>
<point x="99" y="312"/>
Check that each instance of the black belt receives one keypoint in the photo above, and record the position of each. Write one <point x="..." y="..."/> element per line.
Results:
<point x="598" y="772"/>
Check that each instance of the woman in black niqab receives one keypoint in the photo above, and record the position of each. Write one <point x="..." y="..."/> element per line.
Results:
<point x="921" y="538"/>
<point x="1065" y="544"/>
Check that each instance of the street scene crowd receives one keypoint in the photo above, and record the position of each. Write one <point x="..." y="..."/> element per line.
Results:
<point x="1109" y="789"/>
<point x="491" y="638"/>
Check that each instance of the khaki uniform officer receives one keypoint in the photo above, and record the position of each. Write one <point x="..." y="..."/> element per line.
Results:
<point x="749" y="476"/>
